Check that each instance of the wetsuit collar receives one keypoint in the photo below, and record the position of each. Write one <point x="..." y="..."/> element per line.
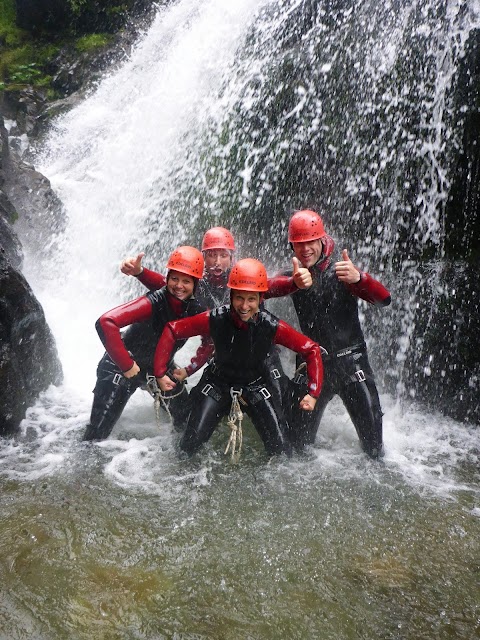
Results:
<point x="178" y="306"/>
<point x="328" y="245"/>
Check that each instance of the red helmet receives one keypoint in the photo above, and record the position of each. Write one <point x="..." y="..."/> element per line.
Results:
<point x="218" y="238"/>
<point x="248" y="275"/>
<point x="304" y="226"/>
<point x="187" y="260"/>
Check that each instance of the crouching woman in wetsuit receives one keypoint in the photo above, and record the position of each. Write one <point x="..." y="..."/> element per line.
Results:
<point x="129" y="358"/>
<point x="242" y="334"/>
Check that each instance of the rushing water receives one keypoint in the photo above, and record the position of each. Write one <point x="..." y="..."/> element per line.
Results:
<point x="124" y="539"/>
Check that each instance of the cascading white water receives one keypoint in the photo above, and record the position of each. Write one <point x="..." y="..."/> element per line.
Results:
<point x="109" y="160"/>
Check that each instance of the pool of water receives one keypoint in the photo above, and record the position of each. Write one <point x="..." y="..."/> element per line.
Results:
<point x="125" y="539"/>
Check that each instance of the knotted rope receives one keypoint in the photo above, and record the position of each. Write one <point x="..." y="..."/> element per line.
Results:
<point x="161" y="400"/>
<point x="234" y="421"/>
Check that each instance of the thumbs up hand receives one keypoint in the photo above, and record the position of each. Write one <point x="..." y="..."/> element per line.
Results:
<point x="346" y="270"/>
<point x="132" y="266"/>
<point x="301" y="276"/>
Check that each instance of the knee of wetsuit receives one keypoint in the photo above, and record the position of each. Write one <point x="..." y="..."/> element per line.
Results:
<point x="108" y="403"/>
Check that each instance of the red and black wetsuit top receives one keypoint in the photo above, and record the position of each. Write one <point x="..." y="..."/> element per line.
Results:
<point x="147" y="316"/>
<point x="241" y="347"/>
<point x="328" y="311"/>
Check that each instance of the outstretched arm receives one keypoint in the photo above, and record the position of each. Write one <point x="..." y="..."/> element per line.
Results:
<point x="108" y="328"/>
<point x="151" y="279"/>
<point x="310" y="350"/>
<point x="177" y="330"/>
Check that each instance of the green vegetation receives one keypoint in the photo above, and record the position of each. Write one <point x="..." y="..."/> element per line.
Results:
<point x="10" y="34"/>
<point x="26" y="64"/>
<point x="92" y="41"/>
<point x="27" y="55"/>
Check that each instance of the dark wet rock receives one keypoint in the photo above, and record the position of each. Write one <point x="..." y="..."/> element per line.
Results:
<point x="40" y="212"/>
<point x="28" y="357"/>
<point x="88" y="15"/>
<point x="10" y="245"/>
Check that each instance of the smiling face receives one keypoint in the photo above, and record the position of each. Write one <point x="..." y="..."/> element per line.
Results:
<point x="180" y="285"/>
<point x="245" y="303"/>
<point x="217" y="261"/>
<point x="308" y="252"/>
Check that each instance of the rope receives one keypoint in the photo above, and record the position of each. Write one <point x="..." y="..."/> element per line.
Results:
<point x="160" y="400"/>
<point x="299" y="369"/>
<point x="235" y="416"/>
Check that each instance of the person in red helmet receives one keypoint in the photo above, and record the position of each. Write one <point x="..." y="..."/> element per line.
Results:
<point x="328" y="314"/>
<point x="129" y="357"/>
<point x="243" y="335"/>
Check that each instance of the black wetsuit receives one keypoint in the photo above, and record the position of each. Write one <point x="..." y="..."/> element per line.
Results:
<point x="112" y="390"/>
<point x="212" y="292"/>
<point x="328" y="313"/>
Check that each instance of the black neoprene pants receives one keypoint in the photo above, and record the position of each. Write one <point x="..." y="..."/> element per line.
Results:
<point x="207" y="411"/>
<point x="360" y="399"/>
<point x="111" y="394"/>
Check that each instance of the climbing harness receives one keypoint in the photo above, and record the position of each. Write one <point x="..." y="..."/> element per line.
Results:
<point x="159" y="399"/>
<point x="234" y="421"/>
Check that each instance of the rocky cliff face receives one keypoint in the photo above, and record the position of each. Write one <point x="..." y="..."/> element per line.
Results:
<point x="28" y="357"/>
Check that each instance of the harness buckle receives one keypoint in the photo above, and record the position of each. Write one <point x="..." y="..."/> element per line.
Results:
<point x="265" y="393"/>
<point x="206" y="389"/>
<point x="117" y="378"/>
<point x="360" y="376"/>
<point x="275" y="374"/>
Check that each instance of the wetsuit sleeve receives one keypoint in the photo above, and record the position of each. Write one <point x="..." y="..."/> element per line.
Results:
<point x="287" y="336"/>
<point x="109" y="324"/>
<point x="198" y="325"/>
<point x="281" y="285"/>
<point x="203" y="354"/>
<point x="151" y="279"/>
<point x="370" y="290"/>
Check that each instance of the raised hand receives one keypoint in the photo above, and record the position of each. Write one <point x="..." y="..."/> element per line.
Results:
<point x="132" y="266"/>
<point x="301" y="276"/>
<point x="346" y="270"/>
